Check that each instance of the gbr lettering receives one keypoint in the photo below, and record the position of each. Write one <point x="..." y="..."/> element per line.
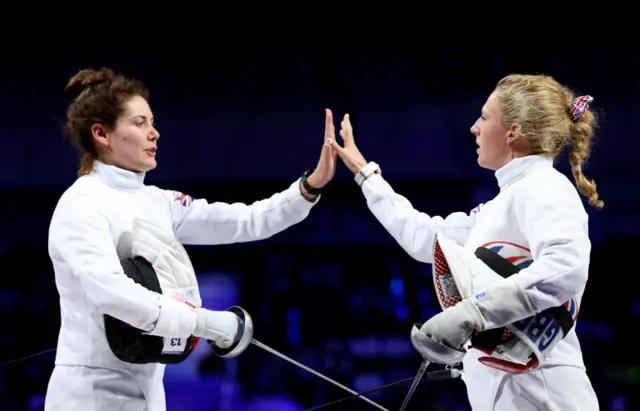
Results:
<point x="541" y="329"/>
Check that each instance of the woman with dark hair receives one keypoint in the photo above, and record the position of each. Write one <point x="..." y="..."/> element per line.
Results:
<point x="111" y="122"/>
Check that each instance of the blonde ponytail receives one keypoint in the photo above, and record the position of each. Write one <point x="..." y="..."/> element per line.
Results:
<point x="580" y="148"/>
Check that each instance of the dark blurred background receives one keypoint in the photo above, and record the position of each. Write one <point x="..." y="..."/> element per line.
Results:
<point x="334" y="292"/>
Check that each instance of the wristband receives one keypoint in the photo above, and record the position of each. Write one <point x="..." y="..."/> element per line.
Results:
<point x="366" y="171"/>
<point x="308" y="188"/>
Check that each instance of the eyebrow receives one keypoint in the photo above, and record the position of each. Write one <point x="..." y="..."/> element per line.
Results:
<point x="143" y="117"/>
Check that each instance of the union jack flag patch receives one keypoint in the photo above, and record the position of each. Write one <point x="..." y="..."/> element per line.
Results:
<point x="184" y="199"/>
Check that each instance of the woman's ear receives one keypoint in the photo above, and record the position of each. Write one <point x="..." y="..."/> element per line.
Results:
<point x="99" y="134"/>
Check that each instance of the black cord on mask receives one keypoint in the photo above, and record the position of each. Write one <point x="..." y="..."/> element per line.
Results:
<point x="27" y="357"/>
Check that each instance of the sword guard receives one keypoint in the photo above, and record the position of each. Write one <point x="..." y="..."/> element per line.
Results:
<point x="243" y="337"/>
<point x="432" y="350"/>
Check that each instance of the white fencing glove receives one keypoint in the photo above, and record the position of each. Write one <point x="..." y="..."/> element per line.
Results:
<point x="453" y="327"/>
<point x="222" y="328"/>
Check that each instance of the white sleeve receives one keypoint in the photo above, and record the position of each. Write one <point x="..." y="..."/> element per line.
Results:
<point x="198" y="222"/>
<point x="413" y="230"/>
<point x="552" y="218"/>
<point x="80" y="237"/>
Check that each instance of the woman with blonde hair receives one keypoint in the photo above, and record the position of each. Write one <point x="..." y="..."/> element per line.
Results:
<point x="525" y="124"/>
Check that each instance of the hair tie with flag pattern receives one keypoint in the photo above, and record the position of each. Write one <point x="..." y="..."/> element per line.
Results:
<point x="579" y="106"/>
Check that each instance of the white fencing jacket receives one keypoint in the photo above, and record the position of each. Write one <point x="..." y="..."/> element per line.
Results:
<point x="89" y="235"/>
<point x="537" y="208"/>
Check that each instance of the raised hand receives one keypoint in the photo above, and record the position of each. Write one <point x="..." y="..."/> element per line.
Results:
<point x="326" y="168"/>
<point x="349" y="153"/>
